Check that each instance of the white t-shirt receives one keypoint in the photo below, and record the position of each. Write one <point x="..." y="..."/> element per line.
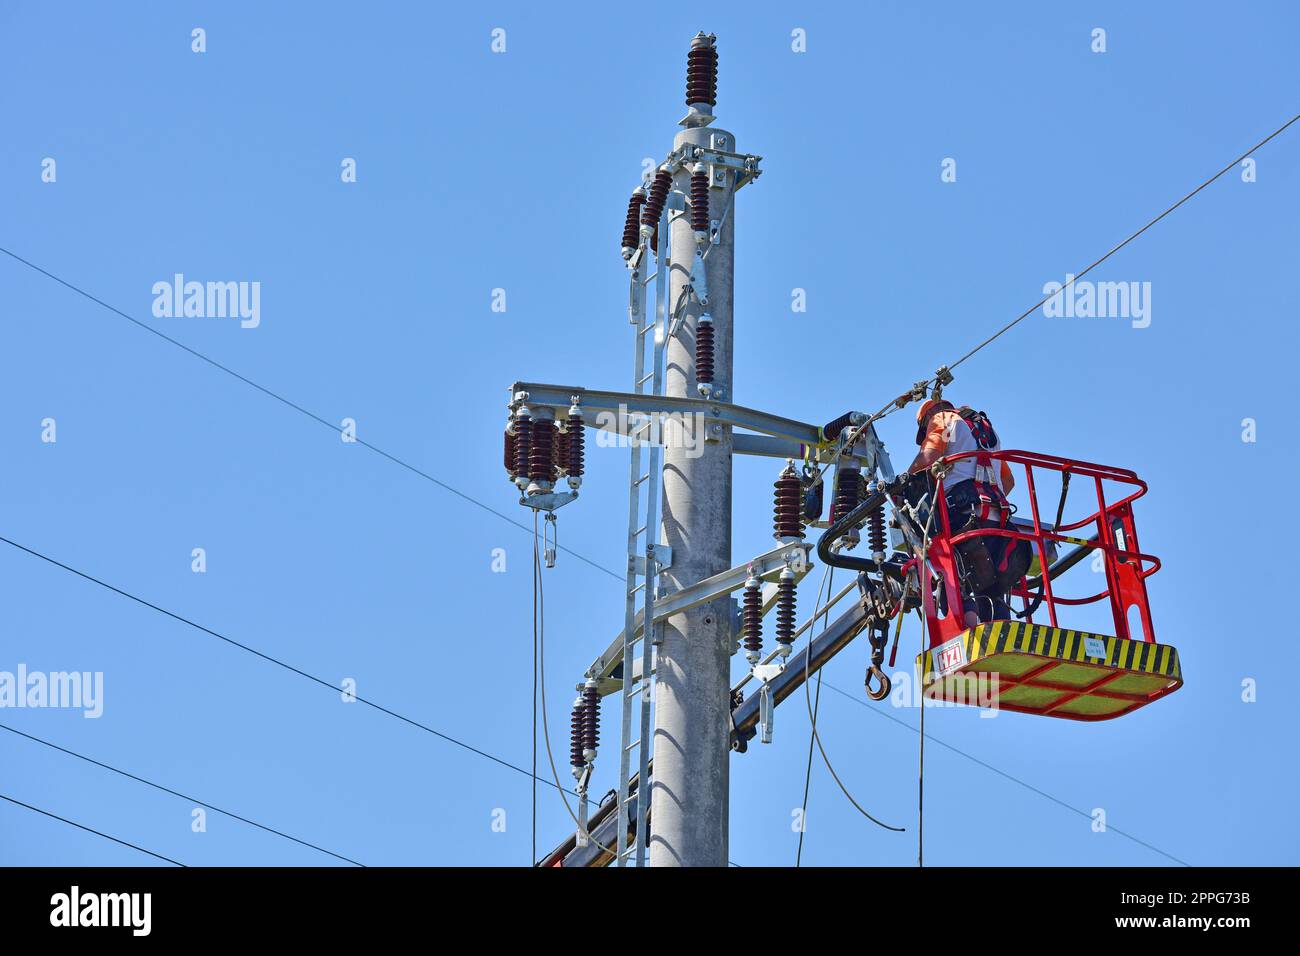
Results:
<point x="959" y="438"/>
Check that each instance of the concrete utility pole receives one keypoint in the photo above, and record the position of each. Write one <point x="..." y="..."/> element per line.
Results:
<point x="678" y="234"/>
<point x="689" y="794"/>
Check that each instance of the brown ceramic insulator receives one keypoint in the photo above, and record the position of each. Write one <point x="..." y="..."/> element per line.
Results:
<point x="523" y="444"/>
<point x="704" y="352"/>
<point x="788" y="507"/>
<point x="700" y="200"/>
<point x="654" y="204"/>
<point x="574" y="463"/>
<point x="541" y="452"/>
<point x="511" y="458"/>
<point x="590" y="718"/>
<point x="847" y="482"/>
<point x="831" y="430"/>
<point x="576" y="758"/>
<point x="702" y="72"/>
<point x="785" y="610"/>
<point x="876" y="537"/>
<point x="751" y="626"/>
<point x="632" y="225"/>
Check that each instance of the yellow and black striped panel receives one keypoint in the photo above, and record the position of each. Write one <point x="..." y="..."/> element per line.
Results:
<point x="1019" y="638"/>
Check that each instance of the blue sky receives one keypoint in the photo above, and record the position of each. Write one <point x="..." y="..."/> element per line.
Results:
<point x="479" y="171"/>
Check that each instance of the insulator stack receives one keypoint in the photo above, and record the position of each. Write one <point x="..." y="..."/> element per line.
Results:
<point x="654" y="204"/>
<point x="590" y="720"/>
<point x="512" y="452"/>
<point x="788" y="521"/>
<point x="560" y="449"/>
<point x="785" y="609"/>
<point x="523" y="443"/>
<point x="574" y="446"/>
<point x="631" y="226"/>
<point x="831" y="430"/>
<point x="702" y="72"/>
<point x="847" y="483"/>
<point x="700" y="200"/>
<point x="541" y="452"/>
<point x="704" y="350"/>
<point x="751" y="622"/>
<point x="876" y="538"/>
<point x="576" y="759"/>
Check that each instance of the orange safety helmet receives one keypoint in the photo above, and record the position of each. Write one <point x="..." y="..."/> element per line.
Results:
<point x="927" y="407"/>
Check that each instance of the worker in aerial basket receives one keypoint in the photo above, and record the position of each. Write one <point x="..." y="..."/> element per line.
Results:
<point x="975" y="491"/>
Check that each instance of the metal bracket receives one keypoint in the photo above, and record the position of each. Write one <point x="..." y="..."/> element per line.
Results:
<point x="663" y="558"/>
<point x="718" y="171"/>
<point x="766" y="712"/>
<point x="698" y="114"/>
<point x="720" y="159"/>
<point x="778" y="437"/>
<point x="611" y="411"/>
<point x="582" y="834"/>
<point x="635" y="290"/>
<point x="548" y="500"/>
<point x="765" y="672"/>
<point x="767" y="567"/>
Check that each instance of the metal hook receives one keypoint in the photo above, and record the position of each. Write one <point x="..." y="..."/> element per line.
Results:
<point x="883" y="690"/>
<point x="879" y="637"/>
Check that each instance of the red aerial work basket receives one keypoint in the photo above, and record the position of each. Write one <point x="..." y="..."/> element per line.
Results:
<point x="1030" y="666"/>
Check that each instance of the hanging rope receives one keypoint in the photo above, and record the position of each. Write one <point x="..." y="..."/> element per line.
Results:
<point x="828" y="577"/>
<point x="923" y="568"/>
<point x="807" y="661"/>
<point x="539" y="645"/>
<point x="536" y="633"/>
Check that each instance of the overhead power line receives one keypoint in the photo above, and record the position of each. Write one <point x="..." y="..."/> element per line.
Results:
<point x="892" y="406"/>
<point x="82" y="826"/>
<point x="273" y="660"/>
<point x="177" y="793"/>
<point x="898" y="403"/>
<point x="461" y="743"/>
<point x="1075" y="277"/>
<point x="903" y="400"/>
<point x="289" y="403"/>
<point x="1002" y="773"/>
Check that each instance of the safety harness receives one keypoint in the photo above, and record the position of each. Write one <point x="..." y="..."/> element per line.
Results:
<point x="993" y="505"/>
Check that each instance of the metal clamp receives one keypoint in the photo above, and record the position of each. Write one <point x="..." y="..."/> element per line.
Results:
<point x="700" y="281"/>
<point x="766" y="704"/>
<point x="550" y="538"/>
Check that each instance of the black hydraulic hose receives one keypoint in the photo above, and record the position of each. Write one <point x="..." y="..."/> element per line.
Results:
<point x="841" y="526"/>
<point x="1035" y="604"/>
